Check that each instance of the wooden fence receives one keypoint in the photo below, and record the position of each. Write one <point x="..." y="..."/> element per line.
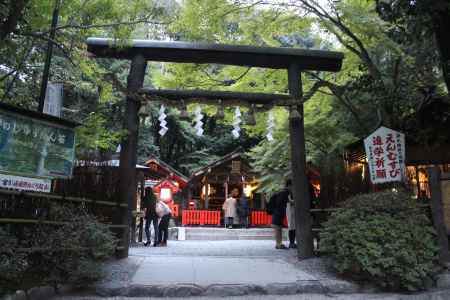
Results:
<point x="92" y="189"/>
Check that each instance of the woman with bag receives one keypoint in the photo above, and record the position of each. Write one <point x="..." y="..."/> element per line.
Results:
<point x="163" y="211"/>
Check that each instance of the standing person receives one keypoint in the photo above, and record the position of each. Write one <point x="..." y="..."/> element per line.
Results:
<point x="243" y="211"/>
<point x="229" y="207"/>
<point x="149" y="204"/>
<point x="290" y="212"/>
<point x="278" y="208"/>
<point x="163" y="211"/>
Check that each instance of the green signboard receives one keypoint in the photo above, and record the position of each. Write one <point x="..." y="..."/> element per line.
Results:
<point x="35" y="146"/>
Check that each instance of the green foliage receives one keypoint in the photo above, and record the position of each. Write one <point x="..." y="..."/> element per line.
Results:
<point x="382" y="237"/>
<point x="94" y="135"/>
<point x="72" y="253"/>
<point x="13" y="264"/>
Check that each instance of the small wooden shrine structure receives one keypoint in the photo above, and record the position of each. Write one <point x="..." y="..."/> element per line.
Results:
<point x="210" y="185"/>
<point x="165" y="182"/>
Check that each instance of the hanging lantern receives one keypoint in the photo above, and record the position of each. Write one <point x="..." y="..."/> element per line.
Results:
<point x="270" y="127"/>
<point x="236" y="122"/>
<point x="250" y="116"/>
<point x="143" y="114"/>
<point x="198" y="121"/>
<point x="184" y="115"/>
<point x="162" y="121"/>
<point x="220" y="114"/>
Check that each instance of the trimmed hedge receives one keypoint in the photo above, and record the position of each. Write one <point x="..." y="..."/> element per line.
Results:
<point x="384" y="238"/>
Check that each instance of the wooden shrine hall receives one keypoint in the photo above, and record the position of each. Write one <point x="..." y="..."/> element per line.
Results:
<point x="211" y="185"/>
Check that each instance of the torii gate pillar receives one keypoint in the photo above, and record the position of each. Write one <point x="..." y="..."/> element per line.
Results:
<point x="300" y="190"/>
<point x="128" y="153"/>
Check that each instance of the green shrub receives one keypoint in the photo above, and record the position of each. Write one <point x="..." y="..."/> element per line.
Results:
<point x="74" y="251"/>
<point x="382" y="237"/>
<point x="13" y="264"/>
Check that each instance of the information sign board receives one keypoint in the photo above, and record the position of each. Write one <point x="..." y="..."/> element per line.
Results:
<point x="35" y="147"/>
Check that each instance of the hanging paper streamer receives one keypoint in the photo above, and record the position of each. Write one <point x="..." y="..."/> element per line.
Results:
<point x="270" y="127"/>
<point x="162" y="121"/>
<point x="237" y="120"/>
<point x="198" y="121"/>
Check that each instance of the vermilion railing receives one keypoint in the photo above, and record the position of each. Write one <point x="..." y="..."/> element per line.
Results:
<point x="261" y="218"/>
<point x="200" y="217"/>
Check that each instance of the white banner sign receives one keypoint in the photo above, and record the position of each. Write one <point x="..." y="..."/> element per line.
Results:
<point x="25" y="183"/>
<point x="53" y="99"/>
<point x="385" y="151"/>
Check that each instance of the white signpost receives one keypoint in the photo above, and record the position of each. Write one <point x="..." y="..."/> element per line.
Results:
<point x="385" y="151"/>
<point x="53" y="99"/>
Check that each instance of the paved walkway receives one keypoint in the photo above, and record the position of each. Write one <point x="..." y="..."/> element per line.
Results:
<point x="206" y="263"/>
<point x="247" y="269"/>
<point x="424" y="296"/>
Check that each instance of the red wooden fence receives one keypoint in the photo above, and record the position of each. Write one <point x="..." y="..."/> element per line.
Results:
<point x="260" y="217"/>
<point x="200" y="217"/>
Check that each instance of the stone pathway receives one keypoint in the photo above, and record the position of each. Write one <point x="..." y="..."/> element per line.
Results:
<point x="442" y="295"/>
<point x="233" y="269"/>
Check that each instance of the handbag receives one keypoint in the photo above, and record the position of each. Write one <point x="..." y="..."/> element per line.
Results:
<point x="162" y="209"/>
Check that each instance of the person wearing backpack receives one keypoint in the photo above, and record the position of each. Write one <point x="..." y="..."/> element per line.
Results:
<point x="163" y="211"/>
<point x="277" y="206"/>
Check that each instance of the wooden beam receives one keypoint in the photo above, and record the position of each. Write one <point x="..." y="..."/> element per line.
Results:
<point x="177" y="97"/>
<point x="200" y="53"/>
<point x="128" y="153"/>
<point x="434" y="174"/>
<point x="300" y="191"/>
<point x="46" y="222"/>
<point x="61" y="198"/>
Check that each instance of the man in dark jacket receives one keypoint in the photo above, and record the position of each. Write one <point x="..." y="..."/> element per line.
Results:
<point x="149" y="203"/>
<point x="243" y="211"/>
<point x="279" y="213"/>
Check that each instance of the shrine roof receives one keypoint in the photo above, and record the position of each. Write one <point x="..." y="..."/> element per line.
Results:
<point x="202" y="53"/>
<point x="166" y="167"/>
<point x="233" y="155"/>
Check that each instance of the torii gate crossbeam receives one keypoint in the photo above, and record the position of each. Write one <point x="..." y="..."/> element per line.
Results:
<point x="292" y="59"/>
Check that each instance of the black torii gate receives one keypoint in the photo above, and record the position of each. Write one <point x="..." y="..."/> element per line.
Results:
<point x="293" y="60"/>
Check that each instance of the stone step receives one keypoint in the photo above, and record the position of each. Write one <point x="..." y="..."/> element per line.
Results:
<point x="214" y="234"/>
